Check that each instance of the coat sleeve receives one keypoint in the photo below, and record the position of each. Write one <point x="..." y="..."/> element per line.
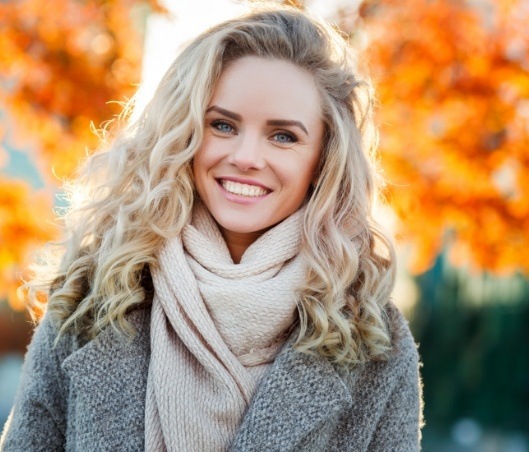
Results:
<point x="399" y="427"/>
<point x="37" y="420"/>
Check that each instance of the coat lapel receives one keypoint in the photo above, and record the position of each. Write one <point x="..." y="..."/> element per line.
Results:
<point x="299" y="395"/>
<point x="109" y="380"/>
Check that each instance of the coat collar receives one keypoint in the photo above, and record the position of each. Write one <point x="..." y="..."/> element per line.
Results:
<point x="298" y="394"/>
<point x="108" y="381"/>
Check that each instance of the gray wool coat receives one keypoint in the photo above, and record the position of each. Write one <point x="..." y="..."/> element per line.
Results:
<point x="91" y="397"/>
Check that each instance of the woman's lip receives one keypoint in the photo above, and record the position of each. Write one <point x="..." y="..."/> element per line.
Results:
<point x="240" y="199"/>
<point x="240" y="180"/>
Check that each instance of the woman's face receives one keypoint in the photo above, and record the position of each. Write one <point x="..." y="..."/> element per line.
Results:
<point x="262" y="145"/>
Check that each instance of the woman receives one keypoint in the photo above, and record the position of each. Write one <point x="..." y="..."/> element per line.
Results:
<point x="223" y="284"/>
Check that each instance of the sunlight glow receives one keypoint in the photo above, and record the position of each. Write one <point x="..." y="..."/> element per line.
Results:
<point x="166" y="35"/>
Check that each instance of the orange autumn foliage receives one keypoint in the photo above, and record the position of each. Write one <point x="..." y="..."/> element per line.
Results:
<point x="453" y="85"/>
<point x="61" y="64"/>
<point x="26" y="222"/>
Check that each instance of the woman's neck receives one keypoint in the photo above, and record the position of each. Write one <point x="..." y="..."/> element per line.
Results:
<point x="239" y="242"/>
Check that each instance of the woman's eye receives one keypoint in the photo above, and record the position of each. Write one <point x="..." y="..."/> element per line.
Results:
<point x="222" y="126"/>
<point x="285" y="138"/>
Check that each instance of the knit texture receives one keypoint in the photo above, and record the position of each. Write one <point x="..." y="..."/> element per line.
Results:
<point x="77" y="397"/>
<point x="216" y="326"/>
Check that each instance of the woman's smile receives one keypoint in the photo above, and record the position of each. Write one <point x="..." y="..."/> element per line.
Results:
<point x="242" y="193"/>
<point x="237" y="187"/>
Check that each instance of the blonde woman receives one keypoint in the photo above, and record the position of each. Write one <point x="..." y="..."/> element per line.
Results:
<point x="223" y="285"/>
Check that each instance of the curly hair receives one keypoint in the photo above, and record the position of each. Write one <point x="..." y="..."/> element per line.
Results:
<point x="138" y="190"/>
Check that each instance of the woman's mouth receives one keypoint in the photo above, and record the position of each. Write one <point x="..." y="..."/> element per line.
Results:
<point x="239" y="189"/>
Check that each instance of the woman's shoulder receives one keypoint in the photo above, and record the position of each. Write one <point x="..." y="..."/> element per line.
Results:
<point x="402" y="341"/>
<point x="45" y="338"/>
<point x="46" y="333"/>
<point x="386" y="394"/>
<point x="402" y="361"/>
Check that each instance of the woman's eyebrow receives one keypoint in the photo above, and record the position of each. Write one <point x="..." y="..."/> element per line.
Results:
<point x="223" y="111"/>
<point x="287" y="122"/>
<point x="270" y="122"/>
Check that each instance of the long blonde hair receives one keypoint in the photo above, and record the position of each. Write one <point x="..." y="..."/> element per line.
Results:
<point x="138" y="190"/>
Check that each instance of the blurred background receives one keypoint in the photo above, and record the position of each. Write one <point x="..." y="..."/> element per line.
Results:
<point x="453" y="85"/>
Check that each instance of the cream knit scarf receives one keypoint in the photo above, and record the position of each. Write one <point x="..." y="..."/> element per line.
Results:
<point x="215" y="328"/>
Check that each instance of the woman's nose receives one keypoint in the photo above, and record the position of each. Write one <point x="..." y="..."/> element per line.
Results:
<point x="247" y="154"/>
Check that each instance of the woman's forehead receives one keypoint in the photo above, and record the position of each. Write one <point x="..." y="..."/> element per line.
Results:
<point x="269" y="86"/>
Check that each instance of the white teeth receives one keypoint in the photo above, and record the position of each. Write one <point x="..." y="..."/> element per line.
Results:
<point x="243" y="189"/>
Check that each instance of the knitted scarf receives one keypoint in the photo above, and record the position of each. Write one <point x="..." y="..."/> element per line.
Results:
<point x="215" y="328"/>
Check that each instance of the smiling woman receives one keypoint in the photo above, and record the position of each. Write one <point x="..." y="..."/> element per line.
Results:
<point x="228" y="232"/>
